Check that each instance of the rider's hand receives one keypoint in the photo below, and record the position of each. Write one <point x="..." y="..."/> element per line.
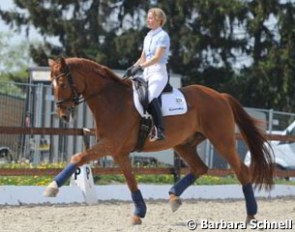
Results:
<point x="135" y="70"/>
<point x="127" y="72"/>
<point x="132" y="71"/>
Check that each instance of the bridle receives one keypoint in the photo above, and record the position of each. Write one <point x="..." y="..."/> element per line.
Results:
<point x="76" y="99"/>
<point x="76" y="96"/>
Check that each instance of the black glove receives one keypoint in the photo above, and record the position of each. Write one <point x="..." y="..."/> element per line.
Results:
<point x="131" y="71"/>
<point x="135" y="70"/>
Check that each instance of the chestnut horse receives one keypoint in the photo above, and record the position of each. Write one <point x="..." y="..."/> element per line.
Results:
<point x="210" y="115"/>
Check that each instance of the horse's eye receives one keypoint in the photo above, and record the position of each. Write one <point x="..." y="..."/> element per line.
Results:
<point x="63" y="85"/>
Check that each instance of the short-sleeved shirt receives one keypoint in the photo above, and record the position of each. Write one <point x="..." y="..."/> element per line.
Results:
<point x="156" y="39"/>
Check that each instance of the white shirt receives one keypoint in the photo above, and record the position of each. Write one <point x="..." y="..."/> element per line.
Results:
<point x="155" y="39"/>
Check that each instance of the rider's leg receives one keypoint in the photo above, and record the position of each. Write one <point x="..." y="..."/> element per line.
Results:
<point x="156" y="84"/>
<point x="156" y="112"/>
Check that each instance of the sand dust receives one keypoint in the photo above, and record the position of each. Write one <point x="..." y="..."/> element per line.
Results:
<point x="115" y="216"/>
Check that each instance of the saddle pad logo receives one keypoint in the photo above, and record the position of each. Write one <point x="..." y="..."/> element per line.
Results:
<point x="178" y="100"/>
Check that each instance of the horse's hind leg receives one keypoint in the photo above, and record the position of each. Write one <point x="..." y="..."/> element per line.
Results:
<point x="197" y="168"/>
<point x="227" y="148"/>
<point x="243" y="175"/>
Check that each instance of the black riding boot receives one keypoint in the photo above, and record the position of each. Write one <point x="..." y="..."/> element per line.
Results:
<point x="155" y="111"/>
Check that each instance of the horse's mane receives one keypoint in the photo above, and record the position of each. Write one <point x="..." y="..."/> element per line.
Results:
<point x="100" y="70"/>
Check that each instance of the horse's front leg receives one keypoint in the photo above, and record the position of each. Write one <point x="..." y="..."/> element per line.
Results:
<point x="77" y="160"/>
<point x="140" y="207"/>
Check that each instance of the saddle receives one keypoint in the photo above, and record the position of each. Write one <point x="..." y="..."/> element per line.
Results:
<point x="141" y="87"/>
<point x="146" y="121"/>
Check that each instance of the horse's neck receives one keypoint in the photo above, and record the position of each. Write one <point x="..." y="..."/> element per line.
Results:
<point x="106" y="97"/>
<point x="96" y="80"/>
<point x="110" y="100"/>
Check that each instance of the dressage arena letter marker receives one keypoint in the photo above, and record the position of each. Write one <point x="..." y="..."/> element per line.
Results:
<point x="87" y="172"/>
<point x="83" y="178"/>
<point x="77" y="173"/>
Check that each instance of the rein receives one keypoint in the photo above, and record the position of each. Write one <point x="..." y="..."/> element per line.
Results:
<point x="76" y="99"/>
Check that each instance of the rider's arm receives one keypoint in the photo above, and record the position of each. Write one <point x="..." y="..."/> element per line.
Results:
<point x="155" y="59"/>
<point x="141" y="59"/>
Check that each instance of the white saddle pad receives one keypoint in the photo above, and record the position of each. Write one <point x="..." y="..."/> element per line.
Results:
<point x="173" y="103"/>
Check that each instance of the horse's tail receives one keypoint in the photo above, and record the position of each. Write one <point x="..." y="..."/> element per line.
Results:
<point x="261" y="162"/>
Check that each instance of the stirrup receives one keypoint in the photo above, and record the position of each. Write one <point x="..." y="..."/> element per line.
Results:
<point x="156" y="135"/>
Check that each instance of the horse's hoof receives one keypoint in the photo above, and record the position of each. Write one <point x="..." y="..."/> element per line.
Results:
<point x="51" y="190"/>
<point x="136" y="220"/>
<point x="250" y="218"/>
<point x="175" y="202"/>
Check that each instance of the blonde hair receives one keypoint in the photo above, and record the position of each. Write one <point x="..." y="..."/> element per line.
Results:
<point x="159" y="14"/>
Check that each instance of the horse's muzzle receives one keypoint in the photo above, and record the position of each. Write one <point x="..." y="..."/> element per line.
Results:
<point x="66" y="114"/>
<point x="65" y="118"/>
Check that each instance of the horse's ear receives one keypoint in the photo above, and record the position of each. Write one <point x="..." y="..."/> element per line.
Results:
<point x="62" y="62"/>
<point x="51" y="62"/>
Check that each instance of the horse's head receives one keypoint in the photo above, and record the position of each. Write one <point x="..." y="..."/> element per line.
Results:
<point x="66" y="95"/>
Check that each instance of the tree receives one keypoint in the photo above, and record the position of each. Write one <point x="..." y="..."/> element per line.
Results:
<point x="270" y="80"/>
<point x="111" y="32"/>
<point x="76" y="24"/>
<point x="207" y="39"/>
<point x="84" y="28"/>
<point x="14" y="60"/>
<point x="204" y="41"/>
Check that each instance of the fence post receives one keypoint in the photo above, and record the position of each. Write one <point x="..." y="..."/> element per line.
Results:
<point x="270" y="119"/>
<point x="38" y="122"/>
<point x="86" y="138"/>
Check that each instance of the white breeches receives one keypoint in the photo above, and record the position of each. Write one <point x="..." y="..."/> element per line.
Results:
<point x="157" y="78"/>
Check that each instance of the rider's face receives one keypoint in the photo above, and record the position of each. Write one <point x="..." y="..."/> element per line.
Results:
<point x="152" y="21"/>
